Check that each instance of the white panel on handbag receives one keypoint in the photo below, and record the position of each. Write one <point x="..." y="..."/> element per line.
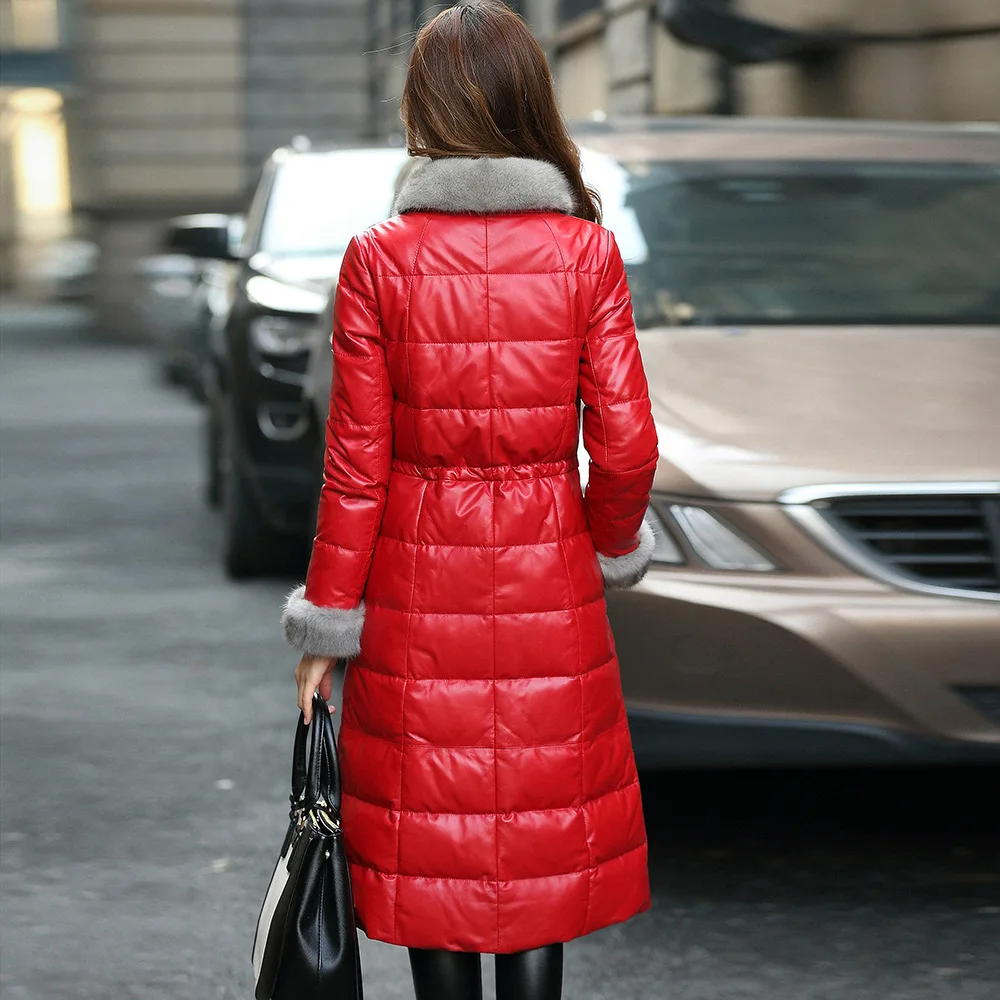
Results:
<point x="279" y="879"/>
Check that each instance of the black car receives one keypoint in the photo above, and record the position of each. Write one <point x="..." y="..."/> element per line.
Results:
<point x="264" y="439"/>
<point x="176" y="282"/>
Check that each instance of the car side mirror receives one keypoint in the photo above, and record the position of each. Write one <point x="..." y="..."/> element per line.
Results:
<point x="207" y="237"/>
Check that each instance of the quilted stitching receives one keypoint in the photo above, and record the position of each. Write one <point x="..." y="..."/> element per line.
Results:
<point x="490" y="793"/>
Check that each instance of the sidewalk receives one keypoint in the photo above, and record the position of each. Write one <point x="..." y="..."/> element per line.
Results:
<point x="23" y="320"/>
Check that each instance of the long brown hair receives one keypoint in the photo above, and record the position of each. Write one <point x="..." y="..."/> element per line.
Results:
<point x="478" y="84"/>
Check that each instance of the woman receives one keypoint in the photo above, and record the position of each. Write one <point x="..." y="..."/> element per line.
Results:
<point x="490" y="802"/>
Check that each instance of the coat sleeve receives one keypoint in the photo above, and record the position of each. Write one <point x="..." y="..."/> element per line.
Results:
<point x="618" y="431"/>
<point x="324" y="617"/>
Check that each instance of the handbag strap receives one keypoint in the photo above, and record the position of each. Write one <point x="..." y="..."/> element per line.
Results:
<point x="315" y="763"/>
<point x="323" y="780"/>
<point x="319" y="776"/>
<point x="315" y="766"/>
<point x="299" y="760"/>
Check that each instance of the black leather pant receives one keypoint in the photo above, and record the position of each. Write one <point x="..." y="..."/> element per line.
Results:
<point x="457" y="975"/>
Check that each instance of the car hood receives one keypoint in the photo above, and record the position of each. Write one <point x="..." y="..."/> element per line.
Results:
<point x="748" y="412"/>
<point x="317" y="273"/>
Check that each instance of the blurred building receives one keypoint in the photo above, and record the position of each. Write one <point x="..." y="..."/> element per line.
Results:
<point x="169" y="106"/>
<point x="117" y="114"/>
<point x="185" y="99"/>
<point x="36" y="85"/>
<point x="908" y="59"/>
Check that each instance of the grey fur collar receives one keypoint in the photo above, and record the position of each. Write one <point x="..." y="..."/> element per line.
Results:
<point x="484" y="184"/>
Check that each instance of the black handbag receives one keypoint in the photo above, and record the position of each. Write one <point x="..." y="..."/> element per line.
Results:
<point x="306" y="946"/>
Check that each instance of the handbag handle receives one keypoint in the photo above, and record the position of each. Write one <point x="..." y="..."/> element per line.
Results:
<point x="323" y="780"/>
<point x="318" y="776"/>
<point x="299" y="760"/>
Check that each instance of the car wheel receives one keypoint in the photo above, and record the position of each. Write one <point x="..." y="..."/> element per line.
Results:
<point x="251" y="547"/>
<point x="196" y="389"/>
<point x="212" y="462"/>
<point x="171" y="372"/>
<point x="198" y="382"/>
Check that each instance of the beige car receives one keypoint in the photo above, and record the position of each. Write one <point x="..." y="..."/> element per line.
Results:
<point x="819" y="313"/>
<point x="818" y="306"/>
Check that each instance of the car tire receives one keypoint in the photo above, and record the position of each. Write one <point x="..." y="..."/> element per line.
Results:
<point x="198" y="382"/>
<point x="211" y="461"/>
<point x="251" y="547"/>
<point x="196" y="389"/>
<point x="171" y="372"/>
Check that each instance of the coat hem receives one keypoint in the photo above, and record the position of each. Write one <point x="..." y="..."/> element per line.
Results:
<point x="402" y="942"/>
<point x="472" y="942"/>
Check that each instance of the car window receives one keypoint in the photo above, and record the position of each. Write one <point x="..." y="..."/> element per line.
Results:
<point x="805" y="242"/>
<point x="318" y="201"/>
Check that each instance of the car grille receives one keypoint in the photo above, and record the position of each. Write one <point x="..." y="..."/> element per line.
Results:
<point x="297" y="363"/>
<point x="951" y="542"/>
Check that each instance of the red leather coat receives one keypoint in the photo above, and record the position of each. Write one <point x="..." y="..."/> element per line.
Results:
<point x="491" y="800"/>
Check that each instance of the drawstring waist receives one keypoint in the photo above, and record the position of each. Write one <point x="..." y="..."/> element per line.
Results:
<point x="487" y="473"/>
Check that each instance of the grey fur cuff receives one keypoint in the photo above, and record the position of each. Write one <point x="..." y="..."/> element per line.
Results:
<point x="319" y="631"/>
<point x="621" y="572"/>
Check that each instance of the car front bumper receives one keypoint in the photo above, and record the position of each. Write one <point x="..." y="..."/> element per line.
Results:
<point x="751" y="670"/>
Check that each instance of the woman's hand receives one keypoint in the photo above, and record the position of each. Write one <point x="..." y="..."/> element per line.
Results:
<point x="314" y="672"/>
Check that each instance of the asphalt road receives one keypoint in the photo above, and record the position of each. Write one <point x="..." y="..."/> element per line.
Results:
<point x="147" y="710"/>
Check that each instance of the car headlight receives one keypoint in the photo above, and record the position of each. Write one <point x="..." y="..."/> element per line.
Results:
<point x="665" y="550"/>
<point x="715" y="543"/>
<point x="280" y="335"/>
